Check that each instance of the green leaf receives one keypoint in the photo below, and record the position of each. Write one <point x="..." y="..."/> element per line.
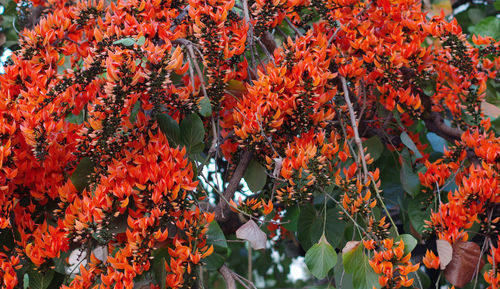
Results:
<point x="307" y="217"/>
<point x="495" y="124"/>
<point x="26" y="281"/>
<point x="374" y="147"/>
<point x="141" y="41"/>
<point x="159" y="270"/>
<point x="410" y="242"/>
<point x="438" y="143"/>
<point x="80" y="177"/>
<point x="321" y="258"/>
<point x="76" y="119"/>
<point x="418" y="213"/>
<point x="255" y="176"/>
<point x="310" y="226"/>
<point x="193" y="133"/>
<point x="39" y="280"/>
<point x="170" y="128"/>
<point x="125" y="41"/>
<point x="420" y="278"/>
<point x="408" y="142"/>
<point x="343" y="279"/>
<point x="356" y="263"/>
<point x="409" y="179"/>
<point x="135" y="111"/>
<point x="216" y="237"/>
<point x="497" y="5"/>
<point x="291" y="218"/>
<point x="334" y="228"/>
<point x="60" y="262"/>
<point x="475" y="15"/>
<point x="205" y="107"/>
<point x="489" y="26"/>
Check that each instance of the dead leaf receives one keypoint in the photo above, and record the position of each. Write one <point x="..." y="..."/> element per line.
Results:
<point x="445" y="253"/>
<point x="253" y="234"/>
<point x="463" y="263"/>
<point x="349" y="246"/>
<point x="490" y="109"/>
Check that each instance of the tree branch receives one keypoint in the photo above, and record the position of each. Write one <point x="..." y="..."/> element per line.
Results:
<point x="434" y="123"/>
<point x="227" y="274"/>
<point x="234" y="182"/>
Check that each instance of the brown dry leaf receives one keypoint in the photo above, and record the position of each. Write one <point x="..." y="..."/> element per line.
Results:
<point x="490" y="109"/>
<point x="445" y="252"/>
<point x="463" y="264"/>
<point x="349" y="246"/>
<point x="253" y="234"/>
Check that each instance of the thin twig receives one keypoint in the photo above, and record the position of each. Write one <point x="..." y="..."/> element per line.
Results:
<point x="228" y="277"/>
<point x="358" y="142"/>
<point x="352" y="116"/>
<point x="297" y="31"/>
<point x="233" y="184"/>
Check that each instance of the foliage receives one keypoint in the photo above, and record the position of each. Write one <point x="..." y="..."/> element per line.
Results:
<point x="131" y="130"/>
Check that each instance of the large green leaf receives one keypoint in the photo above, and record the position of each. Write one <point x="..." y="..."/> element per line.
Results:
<point x="75" y="118"/>
<point x="125" y="41"/>
<point x="489" y="26"/>
<point x="310" y="226"/>
<point x="170" y="128"/>
<point x="216" y="237"/>
<point x="356" y="263"/>
<point x="192" y="133"/>
<point x="418" y="213"/>
<point x="205" y="107"/>
<point x="135" y="111"/>
<point x="343" y="279"/>
<point x="158" y="266"/>
<point x="40" y="280"/>
<point x="408" y="142"/>
<point x="391" y="187"/>
<point x="334" y="228"/>
<point x="495" y="124"/>
<point x="409" y="179"/>
<point x="321" y="258"/>
<point x="255" y="176"/>
<point x="307" y="217"/>
<point x="291" y="218"/>
<point x="374" y="147"/>
<point x="438" y="143"/>
<point x="80" y="177"/>
<point x="409" y="241"/>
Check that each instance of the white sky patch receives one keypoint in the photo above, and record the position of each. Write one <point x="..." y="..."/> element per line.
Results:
<point x="7" y="53"/>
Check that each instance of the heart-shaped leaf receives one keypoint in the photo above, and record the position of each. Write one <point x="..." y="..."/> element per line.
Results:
<point x="463" y="264"/>
<point x="321" y="258"/>
<point x="409" y="241"/>
<point x="253" y="234"/>
<point x="356" y="263"/>
<point x="445" y="252"/>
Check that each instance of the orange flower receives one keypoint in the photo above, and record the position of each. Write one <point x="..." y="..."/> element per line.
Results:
<point x="431" y="260"/>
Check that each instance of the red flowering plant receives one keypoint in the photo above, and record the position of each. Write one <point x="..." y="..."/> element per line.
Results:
<point x="139" y="138"/>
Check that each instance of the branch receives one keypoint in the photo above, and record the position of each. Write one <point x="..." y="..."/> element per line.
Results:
<point x="268" y="41"/>
<point x="433" y="120"/>
<point x="434" y="123"/>
<point x="227" y="274"/>
<point x="354" y="124"/>
<point x="359" y="144"/>
<point x="223" y="207"/>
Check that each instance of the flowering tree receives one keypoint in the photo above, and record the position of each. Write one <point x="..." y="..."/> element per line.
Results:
<point x="130" y="131"/>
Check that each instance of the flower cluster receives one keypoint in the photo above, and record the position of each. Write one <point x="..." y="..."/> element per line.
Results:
<point x="391" y="262"/>
<point x="492" y="276"/>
